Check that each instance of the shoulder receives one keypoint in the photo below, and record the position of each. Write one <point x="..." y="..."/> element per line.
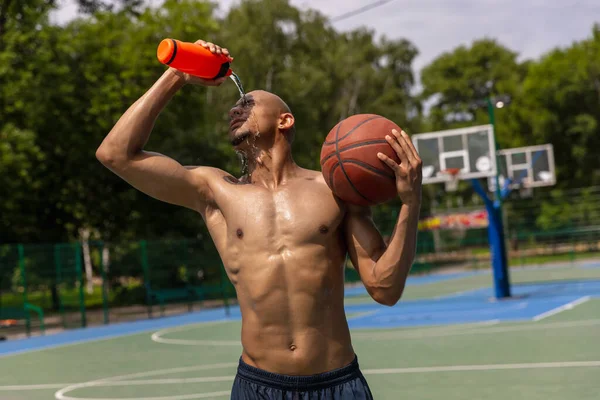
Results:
<point x="206" y="171"/>
<point x="317" y="177"/>
<point x="210" y="175"/>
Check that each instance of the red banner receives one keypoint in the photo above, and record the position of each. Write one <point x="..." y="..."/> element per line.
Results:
<point x="464" y="220"/>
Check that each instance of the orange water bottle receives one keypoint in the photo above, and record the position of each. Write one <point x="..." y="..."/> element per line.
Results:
<point x="193" y="59"/>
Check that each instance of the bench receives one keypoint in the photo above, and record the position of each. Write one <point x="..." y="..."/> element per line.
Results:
<point x="23" y="313"/>
<point x="188" y="293"/>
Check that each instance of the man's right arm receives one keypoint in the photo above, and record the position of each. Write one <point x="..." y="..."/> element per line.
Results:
<point x="155" y="174"/>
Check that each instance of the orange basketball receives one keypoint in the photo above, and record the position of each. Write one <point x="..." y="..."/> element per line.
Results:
<point x="349" y="161"/>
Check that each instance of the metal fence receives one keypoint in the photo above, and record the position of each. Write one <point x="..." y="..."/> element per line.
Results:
<point x="50" y="287"/>
<point x="69" y="285"/>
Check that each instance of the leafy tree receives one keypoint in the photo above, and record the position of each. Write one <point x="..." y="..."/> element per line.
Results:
<point x="561" y="105"/>
<point x="19" y="156"/>
<point x="68" y="85"/>
<point x="459" y="81"/>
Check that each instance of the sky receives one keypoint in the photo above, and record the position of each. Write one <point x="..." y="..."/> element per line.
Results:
<point x="529" y="27"/>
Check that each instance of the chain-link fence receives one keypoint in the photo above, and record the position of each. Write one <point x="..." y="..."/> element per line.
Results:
<point x="71" y="285"/>
<point x="62" y="286"/>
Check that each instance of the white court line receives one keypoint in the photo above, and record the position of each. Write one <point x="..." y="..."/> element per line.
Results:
<point x="426" y="332"/>
<point x="454" y="294"/>
<point x="363" y="314"/>
<point x="169" y="371"/>
<point x="192" y="342"/>
<point x="485" y="367"/>
<point x="158" y="337"/>
<point x="61" y="394"/>
<point x="414" y="334"/>
<point x="101" y="339"/>
<point x="35" y="387"/>
<point x="564" y="307"/>
<point x="118" y="381"/>
<point x="431" y="331"/>
<point x="179" y="397"/>
<point x="169" y="381"/>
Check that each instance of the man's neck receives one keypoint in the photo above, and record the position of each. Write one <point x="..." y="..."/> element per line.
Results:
<point x="270" y="168"/>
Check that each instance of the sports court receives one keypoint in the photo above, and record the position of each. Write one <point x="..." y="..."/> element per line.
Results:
<point x="457" y="333"/>
<point x="448" y="338"/>
<point x="109" y="291"/>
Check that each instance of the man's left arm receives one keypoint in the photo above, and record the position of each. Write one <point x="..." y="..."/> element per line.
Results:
<point x="384" y="269"/>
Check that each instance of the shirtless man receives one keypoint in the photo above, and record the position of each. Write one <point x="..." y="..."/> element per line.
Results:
<point x="283" y="238"/>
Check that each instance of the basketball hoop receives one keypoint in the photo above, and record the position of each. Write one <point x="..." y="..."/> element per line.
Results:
<point x="451" y="183"/>
<point x="525" y="190"/>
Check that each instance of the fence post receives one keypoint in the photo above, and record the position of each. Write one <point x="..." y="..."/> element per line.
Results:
<point x="21" y="251"/>
<point x="58" y="279"/>
<point x="145" y="266"/>
<point x="80" y="278"/>
<point x="104" y="284"/>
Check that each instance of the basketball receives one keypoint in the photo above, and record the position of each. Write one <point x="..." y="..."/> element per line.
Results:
<point x="349" y="161"/>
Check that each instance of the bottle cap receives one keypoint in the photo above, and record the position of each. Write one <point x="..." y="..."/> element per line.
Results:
<point x="166" y="51"/>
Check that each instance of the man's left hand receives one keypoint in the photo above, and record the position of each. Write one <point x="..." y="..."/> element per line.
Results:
<point x="408" y="173"/>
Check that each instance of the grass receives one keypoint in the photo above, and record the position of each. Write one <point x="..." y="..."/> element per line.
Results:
<point x="70" y="297"/>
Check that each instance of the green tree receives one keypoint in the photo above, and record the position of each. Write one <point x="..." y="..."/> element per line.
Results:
<point x="67" y="86"/>
<point x="459" y="81"/>
<point x="324" y="75"/>
<point x="561" y="105"/>
<point x="19" y="156"/>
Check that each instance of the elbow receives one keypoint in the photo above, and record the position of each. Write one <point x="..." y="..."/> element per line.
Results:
<point x="387" y="297"/>
<point x="109" y="157"/>
<point x="103" y="155"/>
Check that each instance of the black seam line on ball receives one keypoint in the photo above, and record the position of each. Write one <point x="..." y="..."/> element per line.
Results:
<point x="369" y="167"/>
<point x="331" y="176"/>
<point x="342" y="166"/>
<point x="351" y="130"/>
<point x="352" y="146"/>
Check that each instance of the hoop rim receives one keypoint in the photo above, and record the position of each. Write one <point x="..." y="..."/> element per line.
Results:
<point x="453" y="172"/>
<point x="451" y="184"/>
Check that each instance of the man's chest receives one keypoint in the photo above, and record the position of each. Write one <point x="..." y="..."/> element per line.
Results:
<point x="301" y="212"/>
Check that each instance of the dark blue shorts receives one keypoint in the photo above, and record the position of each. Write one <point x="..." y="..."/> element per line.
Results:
<point x="346" y="383"/>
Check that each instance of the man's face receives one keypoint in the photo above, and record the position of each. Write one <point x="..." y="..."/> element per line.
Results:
<point x="250" y="117"/>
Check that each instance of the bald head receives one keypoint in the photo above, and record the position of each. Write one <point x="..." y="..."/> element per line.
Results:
<point x="263" y="116"/>
<point x="267" y="105"/>
<point x="270" y="100"/>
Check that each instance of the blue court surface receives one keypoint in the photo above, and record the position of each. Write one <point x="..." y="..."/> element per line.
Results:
<point x="529" y="302"/>
<point x="419" y="280"/>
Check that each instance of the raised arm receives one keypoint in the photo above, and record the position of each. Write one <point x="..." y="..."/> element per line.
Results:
<point x="384" y="269"/>
<point x="161" y="177"/>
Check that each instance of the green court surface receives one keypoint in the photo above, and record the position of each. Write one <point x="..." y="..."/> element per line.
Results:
<point x="556" y="357"/>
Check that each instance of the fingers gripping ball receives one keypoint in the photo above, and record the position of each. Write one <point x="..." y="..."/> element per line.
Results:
<point x="349" y="161"/>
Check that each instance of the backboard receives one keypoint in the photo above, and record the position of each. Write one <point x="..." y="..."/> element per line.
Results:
<point x="527" y="167"/>
<point x="470" y="149"/>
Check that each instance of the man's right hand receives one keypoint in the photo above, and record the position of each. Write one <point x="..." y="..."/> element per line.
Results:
<point x="200" y="81"/>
